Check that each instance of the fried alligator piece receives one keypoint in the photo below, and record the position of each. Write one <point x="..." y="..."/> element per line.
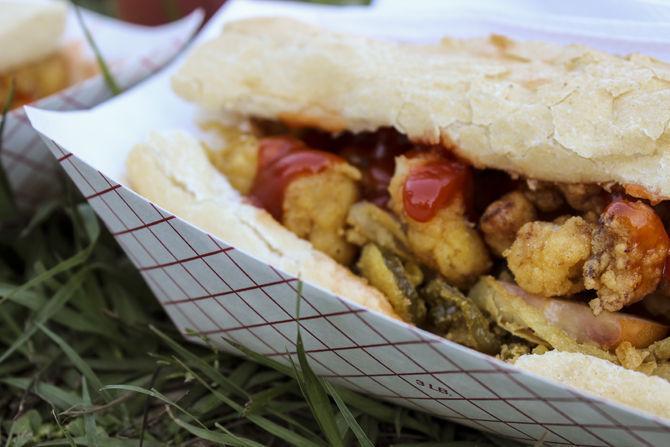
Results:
<point x="316" y="207"/>
<point x="447" y="242"/>
<point x="387" y="273"/>
<point x="503" y="218"/>
<point x="547" y="258"/>
<point x="630" y="246"/>
<point x="458" y="318"/>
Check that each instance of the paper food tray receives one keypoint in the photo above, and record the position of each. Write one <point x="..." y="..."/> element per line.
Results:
<point x="133" y="52"/>
<point x="214" y="289"/>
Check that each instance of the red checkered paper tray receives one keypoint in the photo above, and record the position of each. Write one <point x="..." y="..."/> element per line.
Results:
<point x="214" y="289"/>
<point x="133" y="52"/>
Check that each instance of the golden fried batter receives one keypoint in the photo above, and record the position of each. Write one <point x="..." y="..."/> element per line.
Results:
<point x="235" y="154"/>
<point x="447" y="242"/>
<point x="629" y="250"/>
<point x="503" y="218"/>
<point x="316" y="207"/>
<point x="547" y="258"/>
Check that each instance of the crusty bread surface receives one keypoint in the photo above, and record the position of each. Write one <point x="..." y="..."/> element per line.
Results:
<point x="172" y="170"/>
<point x="557" y="113"/>
<point x="602" y="378"/>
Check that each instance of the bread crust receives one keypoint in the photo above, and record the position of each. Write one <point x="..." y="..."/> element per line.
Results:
<point x="556" y="113"/>
<point x="172" y="170"/>
<point x="603" y="378"/>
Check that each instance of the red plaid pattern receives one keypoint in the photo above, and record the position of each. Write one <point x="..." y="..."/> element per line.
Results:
<point x="31" y="171"/>
<point x="218" y="292"/>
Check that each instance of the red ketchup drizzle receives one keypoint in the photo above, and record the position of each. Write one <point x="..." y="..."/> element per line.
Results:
<point x="280" y="161"/>
<point x="434" y="185"/>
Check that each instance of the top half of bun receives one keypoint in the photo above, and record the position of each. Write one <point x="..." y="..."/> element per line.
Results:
<point x="558" y="113"/>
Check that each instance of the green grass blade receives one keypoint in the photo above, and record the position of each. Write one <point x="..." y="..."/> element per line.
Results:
<point x="76" y="360"/>
<point x="104" y="68"/>
<point x="260" y="400"/>
<point x="65" y="431"/>
<point x="52" y="394"/>
<point x="202" y="366"/>
<point x="65" y="317"/>
<point x="155" y="394"/>
<point x="362" y="438"/>
<point x="258" y="358"/>
<point x="90" y="429"/>
<point x="380" y="411"/>
<point x="61" y="267"/>
<point x="315" y="394"/>
<point x="445" y="444"/>
<point x="262" y="422"/>
<point x="221" y="438"/>
<point x="53" y="305"/>
<point x="41" y="215"/>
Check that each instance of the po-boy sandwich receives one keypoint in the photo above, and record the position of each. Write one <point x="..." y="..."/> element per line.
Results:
<point x="32" y="54"/>
<point x="509" y="196"/>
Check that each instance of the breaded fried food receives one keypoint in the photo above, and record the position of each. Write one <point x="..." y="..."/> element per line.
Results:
<point x="234" y="153"/>
<point x="316" y="207"/>
<point x="503" y="218"/>
<point x="547" y="258"/>
<point x="629" y="250"/>
<point x="447" y="242"/>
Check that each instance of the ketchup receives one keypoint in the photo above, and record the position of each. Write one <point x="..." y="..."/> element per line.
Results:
<point x="434" y="185"/>
<point x="280" y="161"/>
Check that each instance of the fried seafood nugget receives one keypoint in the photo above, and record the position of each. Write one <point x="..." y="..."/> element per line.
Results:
<point x="234" y="153"/>
<point x="629" y="250"/>
<point x="316" y="207"/>
<point x="447" y="243"/>
<point x="584" y="197"/>
<point x="503" y="218"/>
<point x="547" y="258"/>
